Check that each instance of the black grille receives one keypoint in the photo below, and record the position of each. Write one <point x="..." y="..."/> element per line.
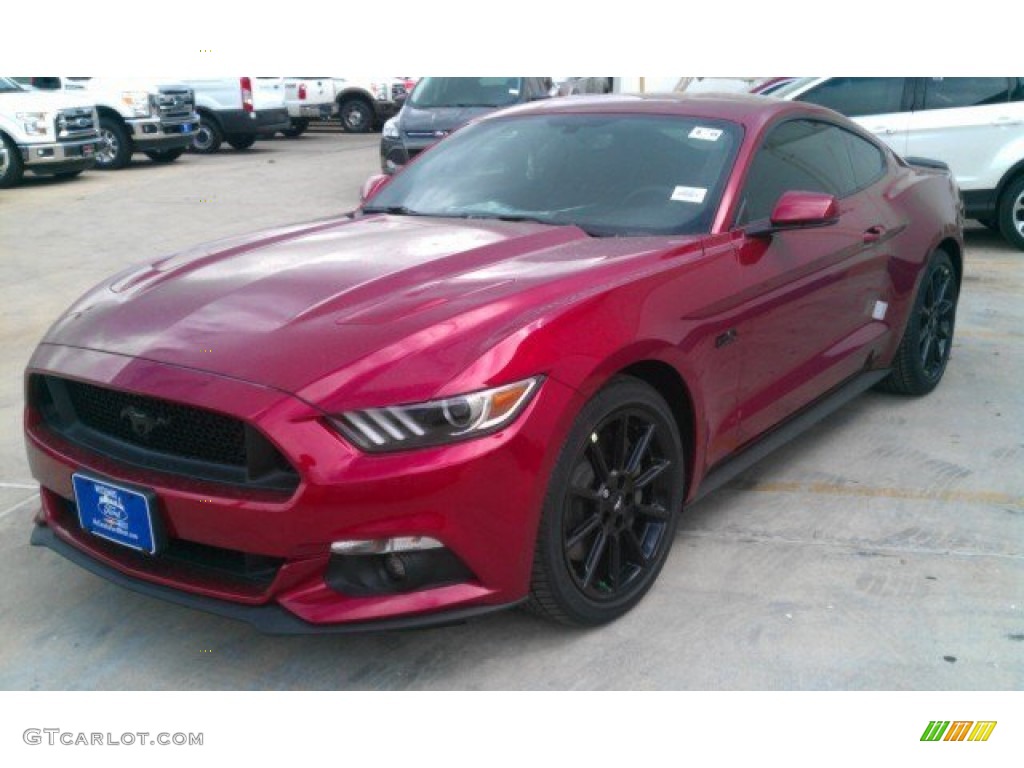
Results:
<point x="160" y="434"/>
<point x="398" y="91"/>
<point x="159" y="425"/>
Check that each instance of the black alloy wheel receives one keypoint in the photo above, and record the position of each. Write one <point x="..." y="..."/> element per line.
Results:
<point x="610" y="512"/>
<point x="928" y="337"/>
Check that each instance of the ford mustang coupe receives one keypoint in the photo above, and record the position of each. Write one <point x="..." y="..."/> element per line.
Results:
<point x="501" y="379"/>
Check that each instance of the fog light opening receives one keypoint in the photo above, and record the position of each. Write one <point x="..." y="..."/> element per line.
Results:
<point x="384" y="546"/>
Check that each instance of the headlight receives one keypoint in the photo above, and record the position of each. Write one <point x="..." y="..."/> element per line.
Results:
<point x="438" y="422"/>
<point x="391" y="128"/>
<point x="34" y="123"/>
<point x="137" y="102"/>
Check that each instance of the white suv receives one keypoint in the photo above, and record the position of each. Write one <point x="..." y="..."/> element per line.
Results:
<point x="973" y="124"/>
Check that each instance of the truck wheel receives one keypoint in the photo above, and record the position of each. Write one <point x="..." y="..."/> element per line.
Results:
<point x="165" y="155"/>
<point x="298" y="128"/>
<point x="208" y="136"/>
<point x="242" y="141"/>
<point x="11" y="166"/>
<point x="356" y="116"/>
<point x="1011" y="212"/>
<point x="115" y="150"/>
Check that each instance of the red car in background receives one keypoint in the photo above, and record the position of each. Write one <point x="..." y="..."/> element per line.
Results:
<point x="502" y="378"/>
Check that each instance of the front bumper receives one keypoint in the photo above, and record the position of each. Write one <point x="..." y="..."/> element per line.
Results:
<point x="58" y="157"/>
<point x="481" y="499"/>
<point x="166" y="133"/>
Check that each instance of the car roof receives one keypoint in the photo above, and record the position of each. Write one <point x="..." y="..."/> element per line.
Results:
<point x="750" y="110"/>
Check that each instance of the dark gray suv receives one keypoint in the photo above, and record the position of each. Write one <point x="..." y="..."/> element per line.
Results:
<point x="439" y="105"/>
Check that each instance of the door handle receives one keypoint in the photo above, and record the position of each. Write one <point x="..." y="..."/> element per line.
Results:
<point x="883" y="129"/>
<point x="874" y="234"/>
<point x="1006" y="121"/>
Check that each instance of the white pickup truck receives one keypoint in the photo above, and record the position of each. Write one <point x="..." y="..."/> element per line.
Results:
<point x="365" y="103"/>
<point x="135" y="115"/>
<point x="307" y="98"/>
<point x="237" y="110"/>
<point x="45" y="133"/>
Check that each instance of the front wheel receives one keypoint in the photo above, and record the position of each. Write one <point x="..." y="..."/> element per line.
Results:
<point x="242" y="141"/>
<point x="1011" y="213"/>
<point x="12" y="168"/>
<point x="115" y="150"/>
<point x="610" y="511"/>
<point x="208" y="136"/>
<point x="928" y="336"/>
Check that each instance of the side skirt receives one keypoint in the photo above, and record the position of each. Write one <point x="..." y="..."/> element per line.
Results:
<point x="789" y="429"/>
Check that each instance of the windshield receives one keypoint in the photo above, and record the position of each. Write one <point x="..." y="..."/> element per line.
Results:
<point x="608" y="174"/>
<point x="9" y="86"/>
<point x="434" y="92"/>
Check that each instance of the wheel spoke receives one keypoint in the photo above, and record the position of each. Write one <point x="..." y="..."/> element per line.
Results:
<point x="633" y="543"/>
<point x="588" y="527"/>
<point x="586" y="494"/>
<point x="639" y="450"/>
<point x="623" y="443"/>
<point x="594" y="558"/>
<point x="597" y="461"/>
<point x="926" y="348"/>
<point x="655" y="510"/>
<point x="615" y="574"/>
<point x="651" y="473"/>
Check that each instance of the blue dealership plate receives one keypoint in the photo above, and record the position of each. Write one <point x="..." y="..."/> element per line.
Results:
<point x="118" y="514"/>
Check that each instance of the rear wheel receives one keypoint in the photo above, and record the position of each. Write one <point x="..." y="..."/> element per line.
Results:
<point x="242" y="141"/>
<point x="610" y="511"/>
<point x="928" y="337"/>
<point x="115" y="149"/>
<point x="165" y="155"/>
<point x="356" y="116"/>
<point x="11" y="166"/>
<point x="208" y="136"/>
<point x="298" y="127"/>
<point x="1011" y="213"/>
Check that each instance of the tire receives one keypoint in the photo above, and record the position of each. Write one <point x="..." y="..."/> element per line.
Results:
<point x="610" y="511"/>
<point x="115" y="150"/>
<point x="298" y="128"/>
<point x="165" y="155"/>
<point x="1011" y="213"/>
<point x="356" y="116"/>
<point x="242" y="141"/>
<point x="928" y="336"/>
<point x="208" y="136"/>
<point x="12" y="167"/>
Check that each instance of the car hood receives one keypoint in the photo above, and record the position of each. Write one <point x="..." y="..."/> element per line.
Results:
<point x="439" y="118"/>
<point x="43" y="101"/>
<point x="292" y="306"/>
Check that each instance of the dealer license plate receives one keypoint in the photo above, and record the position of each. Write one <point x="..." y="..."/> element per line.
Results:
<point x="118" y="514"/>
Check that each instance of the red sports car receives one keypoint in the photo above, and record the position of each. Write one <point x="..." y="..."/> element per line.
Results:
<point x="503" y="378"/>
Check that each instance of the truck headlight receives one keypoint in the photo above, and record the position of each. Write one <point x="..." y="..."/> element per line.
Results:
<point x="35" y="123"/>
<point x="391" y="128"/>
<point x="437" y="422"/>
<point x="137" y="103"/>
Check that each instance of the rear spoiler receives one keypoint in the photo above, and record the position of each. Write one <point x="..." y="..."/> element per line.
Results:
<point x="925" y="162"/>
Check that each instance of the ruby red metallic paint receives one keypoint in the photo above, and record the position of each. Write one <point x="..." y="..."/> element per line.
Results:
<point x="282" y="329"/>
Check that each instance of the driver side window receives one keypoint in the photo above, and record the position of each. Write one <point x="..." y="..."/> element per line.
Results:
<point x="799" y="155"/>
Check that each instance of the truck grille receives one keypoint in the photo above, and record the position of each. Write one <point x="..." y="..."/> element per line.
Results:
<point x="174" y="103"/>
<point x="159" y="434"/>
<point x="398" y="92"/>
<point x="77" y="123"/>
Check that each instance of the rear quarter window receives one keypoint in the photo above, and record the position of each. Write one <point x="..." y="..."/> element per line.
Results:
<point x="954" y="92"/>
<point x="855" y="96"/>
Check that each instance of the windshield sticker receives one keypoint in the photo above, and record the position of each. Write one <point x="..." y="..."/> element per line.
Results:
<point x="513" y="91"/>
<point x="706" y="134"/>
<point x="689" y="194"/>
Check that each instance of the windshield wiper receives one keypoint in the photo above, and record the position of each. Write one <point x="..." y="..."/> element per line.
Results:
<point x="394" y="210"/>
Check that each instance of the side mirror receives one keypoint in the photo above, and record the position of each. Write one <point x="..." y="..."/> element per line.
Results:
<point x="799" y="210"/>
<point x="372" y="186"/>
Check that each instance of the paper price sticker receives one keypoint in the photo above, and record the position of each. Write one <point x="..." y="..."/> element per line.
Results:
<point x="689" y="194"/>
<point x="705" y="134"/>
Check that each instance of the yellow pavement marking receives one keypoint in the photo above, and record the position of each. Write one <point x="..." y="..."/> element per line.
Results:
<point x="832" y="489"/>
